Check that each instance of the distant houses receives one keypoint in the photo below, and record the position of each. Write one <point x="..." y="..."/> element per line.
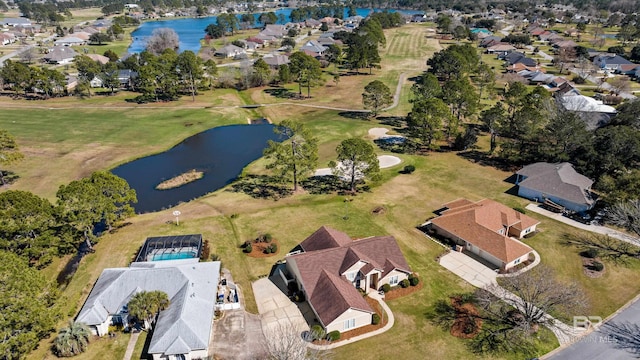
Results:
<point x="60" y="55"/>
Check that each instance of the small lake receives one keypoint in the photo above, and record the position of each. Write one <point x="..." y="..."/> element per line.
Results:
<point x="191" y="30"/>
<point x="220" y="153"/>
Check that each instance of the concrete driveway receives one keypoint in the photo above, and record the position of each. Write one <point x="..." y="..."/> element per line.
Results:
<point x="238" y="336"/>
<point x="468" y="269"/>
<point x="276" y="310"/>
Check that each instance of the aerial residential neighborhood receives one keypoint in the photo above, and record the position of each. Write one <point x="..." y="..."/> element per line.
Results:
<point x="319" y="180"/>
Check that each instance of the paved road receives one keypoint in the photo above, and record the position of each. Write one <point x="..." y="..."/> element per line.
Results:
<point x="21" y="50"/>
<point x="616" y="339"/>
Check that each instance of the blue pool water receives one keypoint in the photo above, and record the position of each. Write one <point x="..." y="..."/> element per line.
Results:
<point x="174" y="256"/>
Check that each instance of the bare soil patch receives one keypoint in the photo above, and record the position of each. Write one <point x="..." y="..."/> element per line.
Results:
<point x="467" y="324"/>
<point x="258" y="249"/>
<point x="589" y="269"/>
<point x="399" y="291"/>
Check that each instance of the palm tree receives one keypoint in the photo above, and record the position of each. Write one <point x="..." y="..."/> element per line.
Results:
<point x="72" y="340"/>
<point x="145" y="305"/>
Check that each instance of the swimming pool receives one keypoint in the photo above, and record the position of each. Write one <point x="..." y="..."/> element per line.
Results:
<point x="173" y="256"/>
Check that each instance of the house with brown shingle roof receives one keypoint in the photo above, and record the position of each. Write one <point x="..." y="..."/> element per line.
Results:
<point x="487" y="229"/>
<point x="332" y="268"/>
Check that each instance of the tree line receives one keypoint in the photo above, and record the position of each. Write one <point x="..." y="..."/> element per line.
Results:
<point x="33" y="231"/>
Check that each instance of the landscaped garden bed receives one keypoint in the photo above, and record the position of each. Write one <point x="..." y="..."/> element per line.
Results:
<point x="262" y="246"/>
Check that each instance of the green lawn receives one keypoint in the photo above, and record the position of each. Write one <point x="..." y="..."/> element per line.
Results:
<point x="67" y="138"/>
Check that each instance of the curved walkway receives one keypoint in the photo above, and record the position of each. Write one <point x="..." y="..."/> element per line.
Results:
<point x="535" y="263"/>
<point x="396" y="96"/>
<point x="389" y="325"/>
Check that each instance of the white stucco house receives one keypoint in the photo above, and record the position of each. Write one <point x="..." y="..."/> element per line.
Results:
<point x="184" y="330"/>
<point x="332" y="267"/>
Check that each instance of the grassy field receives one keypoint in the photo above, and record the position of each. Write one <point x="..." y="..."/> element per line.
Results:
<point x="406" y="51"/>
<point x="68" y="138"/>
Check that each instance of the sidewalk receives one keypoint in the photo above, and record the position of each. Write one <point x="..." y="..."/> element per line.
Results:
<point x="389" y="325"/>
<point x="131" y="346"/>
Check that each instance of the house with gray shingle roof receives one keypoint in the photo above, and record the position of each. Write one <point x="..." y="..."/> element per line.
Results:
<point x="332" y="268"/>
<point x="184" y="329"/>
<point x="559" y="183"/>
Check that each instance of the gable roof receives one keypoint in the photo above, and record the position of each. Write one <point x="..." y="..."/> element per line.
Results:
<point x="560" y="180"/>
<point x="191" y="287"/>
<point x="328" y="254"/>
<point x="478" y="223"/>
<point x="325" y="238"/>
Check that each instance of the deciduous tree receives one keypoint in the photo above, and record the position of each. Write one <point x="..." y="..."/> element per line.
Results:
<point x="162" y="39"/>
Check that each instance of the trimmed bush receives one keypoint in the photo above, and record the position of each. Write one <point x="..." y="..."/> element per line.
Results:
<point x="267" y="238"/>
<point x="267" y="250"/>
<point x="404" y="283"/>
<point x="274" y="248"/>
<point x="414" y="280"/>
<point x="317" y="332"/>
<point x="597" y="266"/>
<point x="375" y="319"/>
<point x="409" y="169"/>
<point x="590" y="253"/>
<point x="334" y="335"/>
<point x="248" y="248"/>
<point x="386" y="288"/>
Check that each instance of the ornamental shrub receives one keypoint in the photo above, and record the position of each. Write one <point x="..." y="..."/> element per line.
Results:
<point x="413" y="280"/>
<point x="317" y="332"/>
<point x="375" y="319"/>
<point x="386" y="288"/>
<point x="409" y="169"/>
<point x="248" y="248"/>
<point x="597" y="266"/>
<point x="591" y="253"/>
<point x="404" y="283"/>
<point x="334" y="335"/>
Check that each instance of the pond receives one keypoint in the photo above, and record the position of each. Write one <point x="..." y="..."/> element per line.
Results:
<point x="220" y="153"/>
<point x="191" y="30"/>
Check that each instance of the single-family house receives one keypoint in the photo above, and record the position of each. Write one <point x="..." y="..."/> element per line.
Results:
<point x="419" y="18"/>
<point x="565" y="44"/>
<point x="184" y="330"/>
<point x="593" y="112"/>
<point x="610" y="62"/>
<point x="487" y="229"/>
<point x="275" y="61"/>
<point x="312" y="23"/>
<point x="314" y="46"/>
<point x="229" y="51"/>
<point x="500" y="49"/>
<point x="628" y="69"/>
<point x="69" y="41"/>
<point x="516" y="57"/>
<point x="14" y="22"/>
<point x="98" y="58"/>
<point x="559" y="183"/>
<point x="82" y="35"/>
<point x="96" y="82"/>
<point x="7" y="38"/>
<point x="332" y="267"/>
<point x="60" y="55"/>
<point x="490" y="41"/>
<point x="127" y="78"/>
<point x="536" y="31"/>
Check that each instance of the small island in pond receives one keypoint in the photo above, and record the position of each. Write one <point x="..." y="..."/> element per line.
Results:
<point x="182" y="179"/>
